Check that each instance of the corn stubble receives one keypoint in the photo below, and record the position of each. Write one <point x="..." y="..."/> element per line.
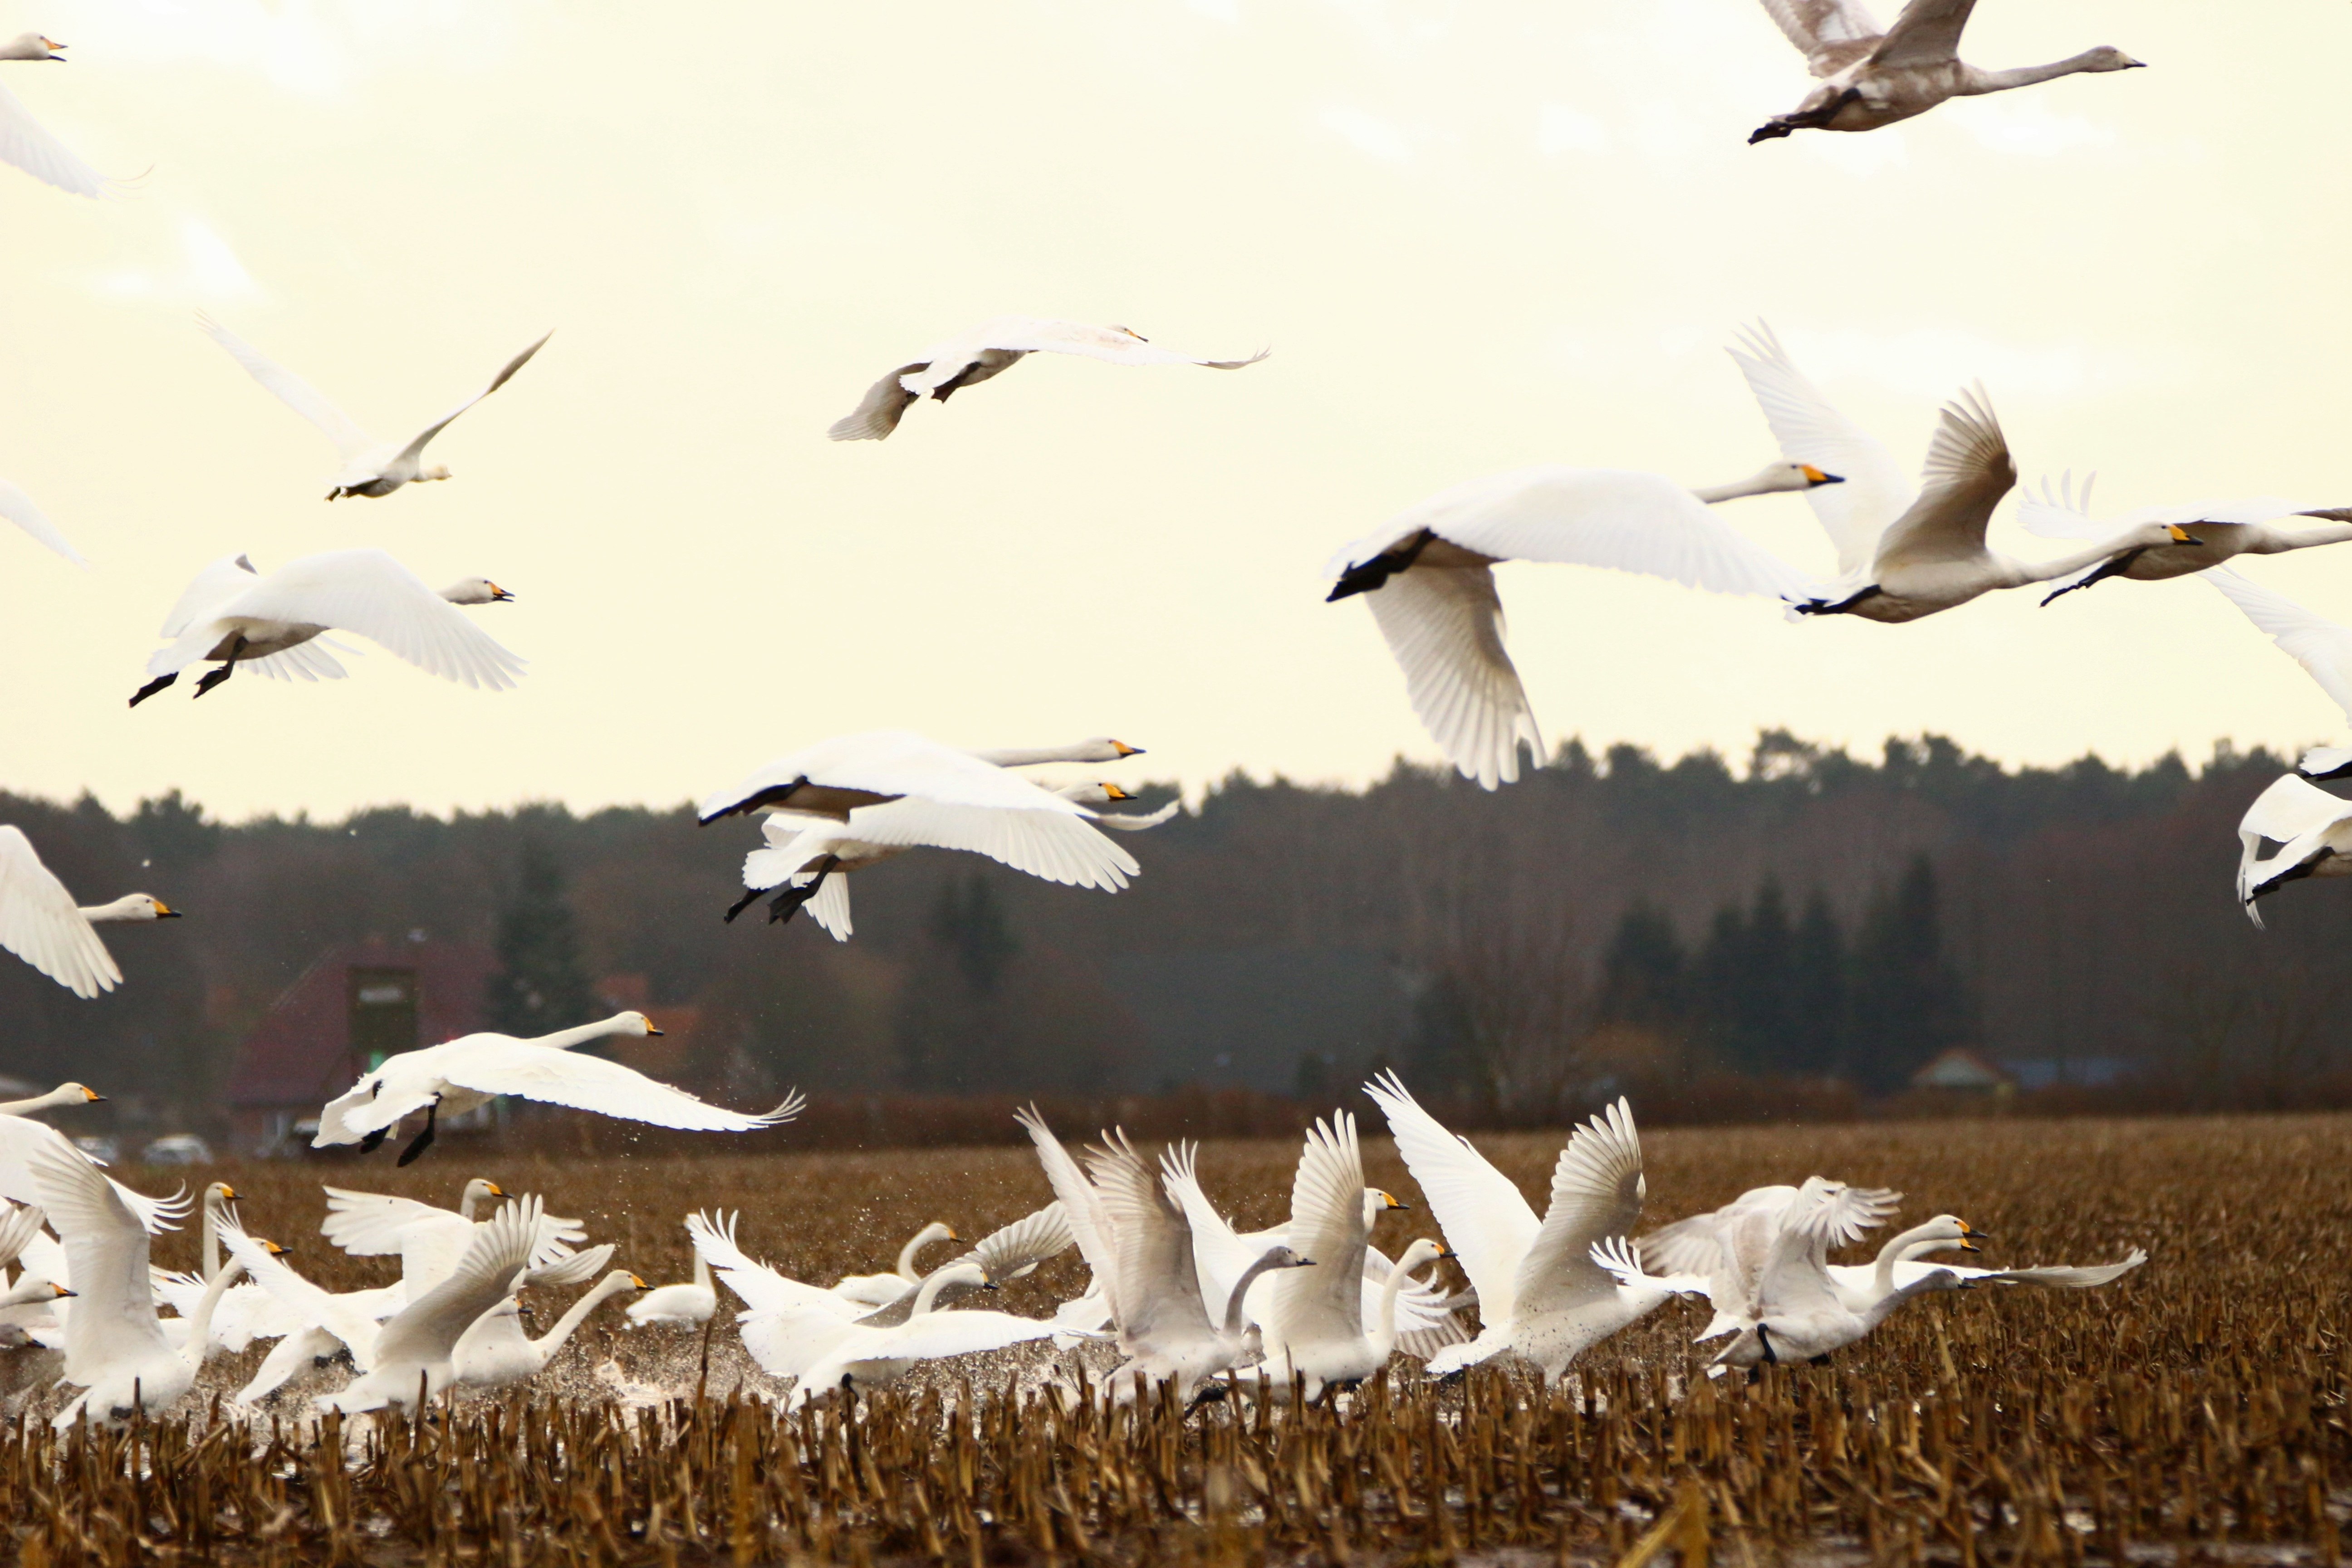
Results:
<point x="2196" y="1410"/>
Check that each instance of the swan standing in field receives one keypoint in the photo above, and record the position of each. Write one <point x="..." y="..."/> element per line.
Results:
<point x="2311" y="828"/>
<point x="370" y="466"/>
<point x="1873" y="78"/>
<point x="990" y="349"/>
<point x="1427" y="574"/>
<point x="474" y="1069"/>
<point x="2223" y="530"/>
<point x="1541" y="1297"/>
<point x="232" y="615"/>
<point x="40" y="923"/>
<point x="15" y="504"/>
<point x="26" y="143"/>
<point x="495" y="1350"/>
<point x="2323" y="648"/>
<point x="881" y="1289"/>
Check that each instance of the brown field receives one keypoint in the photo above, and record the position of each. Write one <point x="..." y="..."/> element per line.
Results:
<point x="2195" y="1409"/>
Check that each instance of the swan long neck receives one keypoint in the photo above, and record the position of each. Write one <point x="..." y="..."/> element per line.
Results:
<point x="915" y="1245"/>
<point x="1749" y="486"/>
<point x="701" y="1270"/>
<point x="122" y="909"/>
<point x="2276" y="539"/>
<point x="2089" y="555"/>
<point x="1983" y="81"/>
<point x="200" y="1325"/>
<point x="212" y="1238"/>
<point x="1384" y="1333"/>
<point x="1030" y="756"/>
<point x="564" y="1040"/>
<point x="56" y="1100"/>
<point x="548" y="1343"/>
<point x="1241" y="1290"/>
<point x="1899" y="1250"/>
<point x="927" y="1297"/>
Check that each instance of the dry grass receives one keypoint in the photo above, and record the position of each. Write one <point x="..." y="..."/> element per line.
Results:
<point x="2197" y="1407"/>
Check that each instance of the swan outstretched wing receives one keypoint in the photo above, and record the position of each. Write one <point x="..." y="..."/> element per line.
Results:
<point x="1157" y="1291"/>
<point x="883" y="764"/>
<point x="2049" y="1276"/>
<point x="762" y="1288"/>
<point x="1081" y="1206"/>
<point x="1219" y="1257"/>
<point x="316" y="1307"/>
<point x="218" y="583"/>
<point x="594" y="1084"/>
<point x="113" y="1319"/>
<point x="19" y="508"/>
<point x="2324" y="647"/>
<point x="885" y="404"/>
<point x="28" y="143"/>
<point x="1444" y="628"/>
<point x="1029" y="334"/>
<point x="292" y="390"/>
<point x="426" y="1329"/>
<point x="1054" y="844"/>
<point x="1967" y="472"/>
<point x="40" y="923"/>
<point x="1831" y="34"/>
<point x="1012" y="1250"/>
<point x="1327" y="1225"/>
<point x="936" y="1335"/>
<point x="1811" y="429"/>
<point x="1487" y="1221"/>
<point x="1597" y="1189"/>
<point x="1926" y="34"/>
<point x="505" y="373"/>
<point x="368" y="593"/>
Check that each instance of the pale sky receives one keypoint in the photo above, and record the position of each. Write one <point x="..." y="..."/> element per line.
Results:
<point x="1477" y="237"/>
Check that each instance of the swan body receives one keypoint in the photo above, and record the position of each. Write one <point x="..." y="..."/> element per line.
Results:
<point x="495" y="1350"/>
<point x="881" y="1289"/>
<point x="683" y="1305"/>
<point x="2311" y="828"/>
<point x="40" y="923"/>
<point x="762" y="1288"/>
<point x="1541" y="1297"/>
<point x="26" y="143"/>
<point x="370" y="466"/>
<point x="827" y="1353"/>
<point x="1006" y="1253"/>
<point x="2223" y="530"/>
<point x="990" y="350"/>
<point x="474" y="1069"/>
<point x="235" y="617"/>
<point x="1874" y="78"/>
<point x="1427" y="574"/>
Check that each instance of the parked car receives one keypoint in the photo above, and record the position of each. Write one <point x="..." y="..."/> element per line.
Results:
<point x="178" y="1149"/>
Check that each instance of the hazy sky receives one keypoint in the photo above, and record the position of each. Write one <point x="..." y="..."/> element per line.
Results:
<point x="1477" y="237"/>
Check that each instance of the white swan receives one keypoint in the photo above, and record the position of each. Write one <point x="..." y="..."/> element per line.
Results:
<point x="28" y="1307"/>
<point x="232" y="616"/>
<point x="1874" y="77"/>
<point x="429" y="1241"/>
<point x="22" y="1138"/>
<point x="821" y="1351"/>
<point x="875" y="793"/>
<point x="2223" y="530"/>
<point x="495" y="1350"/>
<point x="689" y="1305"/>
<point x="2311" y="828"/>
<point x="15" y="504"/>
<point x="1008" y="1252"/>
<point x="990" y="349"/>
<point x="57" y="1098"/>
<point x="40" y="923"/>
<point x="1861" y="1286"/>
<point x="474" y="1069"/>
<point x="370" y="466"/>
<point x="881" y="1289"/>
<point x="26" y="143"/>
<point x="1427" y="575"/>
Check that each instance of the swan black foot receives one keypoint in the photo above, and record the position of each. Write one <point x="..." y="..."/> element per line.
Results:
<point x="423" y="1140"/>
<point x="1770" y="131"/>
<point x="745" y="902"/>
<point x="1822" y="1360"/>
<point x="375" y="1141"/>
<point x="1365" y="576"/>
<point x="152" y="687"/>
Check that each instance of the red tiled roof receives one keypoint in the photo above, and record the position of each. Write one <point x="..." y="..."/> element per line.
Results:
<point x="300" y="1052"/>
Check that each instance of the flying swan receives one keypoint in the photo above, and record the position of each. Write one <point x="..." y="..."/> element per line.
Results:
<point x="371" y="467"/>
<point x="1873" y="78"/>
<point x="2223" y="530"/>
<point x="990" y="349"/>
<point x="40" y="923"/>
<point x="2311" y="828"/>
<point x="24" y="141"/>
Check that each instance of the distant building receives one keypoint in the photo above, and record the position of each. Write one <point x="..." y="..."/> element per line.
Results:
<point x="1962" y="1071"/>
<point x="350" y="1010"/>
<point x="2080" y="1072"/>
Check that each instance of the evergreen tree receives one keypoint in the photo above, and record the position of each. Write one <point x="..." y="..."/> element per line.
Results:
<point x="1815" y="1046"/>
<point x="1644" y="979"/>
<point x="969" y="921"/>
<point x="541" y="983"/>
<point x="1746" y="1000"/>
<point x="1908" y="1002"/>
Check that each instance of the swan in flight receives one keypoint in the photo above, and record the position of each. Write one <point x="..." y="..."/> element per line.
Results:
<point x="990" y="349"/>
<point x="1428" y="575"/>
<point x="1872" y="77"/>
<point x="21" y="1138"/>
<point x="881" y="1289"/>
<point x="370" y="466"/>
<point x="232" y="615"/>
<point x="474" y="1069"/>
<point x="24" y="141"/>
<point x="15" y="504"/>
<point x="2223" y="528"/>
<point x="1862" y="1286"/>
<point x="1542" y="1296"/>
<point x="40" y="923"/>
<point x="2311" y="828"/>
<point x="886" y="789"/>
<point x="2323" y="648"/>
<point x="429" y="1241"/>
<point x="495" y="1350"/>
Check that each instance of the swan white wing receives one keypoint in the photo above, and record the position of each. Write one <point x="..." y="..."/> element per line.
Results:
<point x="375" y="1225"/>
<point x="1927" y="32"/>
<point x="2324" y="647"/>
<point x="113" y="1319"/>
<point x="1029" y="334"/>
<point x="1967" y="472"/>
<point x="830" y="908"/>
<point x="1836" y="1214"/>
<point x="1055" y="846"/>
<point x="762" y="1288"/>
<point x="310" y="661"/>
<point x="368" y="593"/>
<point x="2292" y="807"/>
<point x="1159" y="1291"/>
<point x="1811" y="429"/>
<point x="2058" y="512"/>
<point x="893" y="762"/>
<point x="1081" y="1206"/>
<point x="1010" y="1251"/>
<point x="1597" y="1189"/>
<point x="350" y="1322"/>
<point x="506" y="372"/>
<point x="21" y="1137"/>
<point x="28" y="143"/>
<point x="1137" y="821"/>
<point x="594" y="1084"/>
<point x="23" y="1223"/>
<point x="1831" y="34"/>
<point x="294" y="392"/>
<point x="1219" y="1257"/>
<point x="40" y="923"/>
<point x="885" y="404"/>
<point x="426" y="1330"/>
<point x="2051" y="1276"/>
<point x="1324" y="1303"/>
<point x="1695" y="1245"/>
<point x="1487" y="1221"/>
<point x="216" y="584"/>
<point x="934" y="1335"/>
<point x="1444" y="628"/>
<point x="19" y="508"/>
<point x="788" y="1341"/>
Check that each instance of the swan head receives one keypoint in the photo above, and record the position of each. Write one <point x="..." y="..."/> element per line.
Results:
<point x="937" y="1230"/>
<point x="1102" y="749"/>
<point x="75" y="1094"/>
<point x="476" y="591"/>
<point x="32" y="46"/>
<point x="480" y="1187"/>
<point x="633" y="1023"/>
<point x="1423" y="1251"/>
<point x="1096" y="793"/>
<point x="141" y="907"/>
<point x="219" y="1195"/>
<point x="1280" y="1256"/>
<point x="437" y="471"/>
<point x="1378" y="1202"/>
<point x="1796" y="476"/>
<point x="2106" y="58"/>
<point x="1947" y="1230"/>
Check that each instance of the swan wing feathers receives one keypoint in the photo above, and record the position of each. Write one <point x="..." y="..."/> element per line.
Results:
<point x="1137" y="821"/>
<point x="1219" y="1257"/>
<point x="368" y="593"/>
<point x="40" y="923"/>
<point x="28" y="143"/>
<point x="1081" y="1206"/>
<point x="1055" y="846"/>
<point x="217" y="584"/>
<point x="378" y="1225"/>
<point x="1692" y="1245"/>
<point x="1834" y="1214"/>
<point x="1012" y="1250"/>
<point x="1597" y="1188"/>
<point x="830" y="908"/>
<point x="506" y="372"/>
<point x="2324" y="647"/>
<point x="113" y="1319"/>
<point x="1487" y="1221"/>
<point x="934" y="1335"/>
<point x="2292" y="807"/>
<point x="19" y="508"/>
<point x="348" y="1322"/>
<point x="1831" y="34"/>
<point x="762" y="1288"/>
<point x="292" y="390"/>
<point x="1159" y="1292"/>
<point x="1445" y="630"/>
<point x="594" y="1083"/>
<point x="2057" y="1276"/>
<point x="885" y="404"/>
<point x="428" y="1328"/>
<point x="23" y="1223"/>
<point x="1029" y="334"/>
<point x="1927" y="32"/>
<point x="1811" y="429"/>
<point x="1967" y="472"/>
<point x="1326" y="1226"/>
<point x="893" y="762"/>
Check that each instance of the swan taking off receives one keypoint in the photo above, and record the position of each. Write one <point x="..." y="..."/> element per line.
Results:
<point x="370" y="466"/>
<point x="1874" y="78"/>
<point x="40" y="923"/>
<point x="1427" y="575"/>
<point x="2311" y="828"/>
<point x="24" y="142"/>
<point x="474" y="1069"/>
<point x="2222" y="528"/>
<point x="232" y="615"/>
<point x="991" y="349"/>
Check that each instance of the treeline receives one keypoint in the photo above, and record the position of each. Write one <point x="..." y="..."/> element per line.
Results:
<point x="1805" y="916"/>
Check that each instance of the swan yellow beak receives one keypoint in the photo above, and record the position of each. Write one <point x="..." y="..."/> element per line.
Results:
<point x="61" y="1290"/>
<point x="2181" y="535"/>
<point x="1814" y="475"/>
<point x="499" y="595"/>
<point x="1389" y="1201"/>
<point x="1112" y="791"/>
<point x="496" y="1191"/>
<point x="1125" y="751"/>
<point x="952" y="1235"/>
<point x="227" y="1193"/>
<point x="638" y="1283"/>
<point x="651" y="1030"/>
<point x="91" y="1096"/>
<point x="163" y="912"/>
<point x="1970" y="1236"/>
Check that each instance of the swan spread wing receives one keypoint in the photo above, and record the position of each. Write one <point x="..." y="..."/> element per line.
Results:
<point x="594" y="1083"/>
<point x="351" y="441"/>
<point x="762" y="1288"/>
<point x="506" y="372"/>
<point x="1487" y="1222"/>
<point x="1220" y="1255"/>
<point x="2291" y="808"/>
<point x="219" y="581"/>
<point x="885" y="404"/>
<point x="1054" y="844"/>
<point x="19" y="508"/>
<point x="932" y="1336"/>
<point x="1082" y="1205"/>
<point x="316" y="1307"/>
<point x="1967" y="472"/>
<point x="1012" y="1250"/>
<point x="1811" y="429"/>
<point x="2051" y="1276"/>
<point x="40" y="923"/>
<point x="28" y="143"/>
<point x="113" y="1322"/>
<point x="1029" y="334"/>
<point x="1597" y="1189"/>
<point x="1695" y="1245"/>
<point x="311" y="661"/>
<point x="1157" y="1293"/>
<point x="1927" y="32"/>
<point x="21" y="1137"/>
<point x="368" y="593"/>
<point x="1444" y="628"/>
<point x="1325" y="1303"/>
<point x="1831" y="34"/>
<point x="428" y="1328"/>
<point x="891" y="762"/>
<point x="2324" y="647"/>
